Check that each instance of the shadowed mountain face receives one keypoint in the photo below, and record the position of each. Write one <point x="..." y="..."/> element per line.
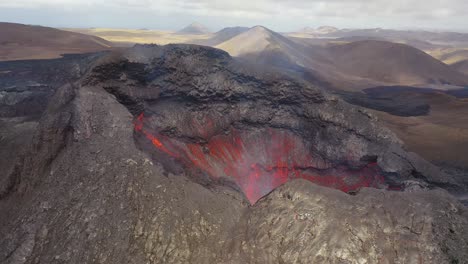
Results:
<point x="19" y="41"/>
<point x="180" y="154"/>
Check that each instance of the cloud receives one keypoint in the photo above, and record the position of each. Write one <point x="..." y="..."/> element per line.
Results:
<point x="285" y="13"/>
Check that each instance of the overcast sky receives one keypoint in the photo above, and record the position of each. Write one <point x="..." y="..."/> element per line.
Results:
<point x="279" y="15"/>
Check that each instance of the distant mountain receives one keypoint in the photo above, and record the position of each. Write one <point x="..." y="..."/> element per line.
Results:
<point x="261" y="45"/>
<point x="393" y="63"/>
<point x="194" y="29"/>
<point x="461" y="66"/>
<point x="18" y="41"/>
<point x="221" y="36"/>
<point x="254" y="40"/>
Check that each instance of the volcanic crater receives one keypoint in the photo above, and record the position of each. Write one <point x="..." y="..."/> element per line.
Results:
<point x="220" y="122"/>
<point x="155" y="154"/>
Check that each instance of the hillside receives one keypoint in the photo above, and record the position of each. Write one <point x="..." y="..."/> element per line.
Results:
<point x="431" y="122"/>
<point x="18" y="41"/>
<point x="441" y="136"/>
<point x="393" y="63"/>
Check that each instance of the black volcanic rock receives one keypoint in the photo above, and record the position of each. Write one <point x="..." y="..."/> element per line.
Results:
<point x="26" y="86"/>
<point x="25" y="91"/>
<point x="140" y="161"/>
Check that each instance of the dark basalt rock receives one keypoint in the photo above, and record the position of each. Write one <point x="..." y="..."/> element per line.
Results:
<point x="26" y="88"/>
<point x="103" y="180"/>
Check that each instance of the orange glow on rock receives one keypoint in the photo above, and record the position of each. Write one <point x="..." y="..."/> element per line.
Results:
<point x="156" y="142"/>
<point x="259" y="163"/>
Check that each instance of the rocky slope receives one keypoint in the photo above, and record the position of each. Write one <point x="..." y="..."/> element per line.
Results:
<point x="179" y="154"/>
<point x="25" y="90"/>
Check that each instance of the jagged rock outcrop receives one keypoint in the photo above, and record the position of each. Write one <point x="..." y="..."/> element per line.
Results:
<point x="103" y="183"/>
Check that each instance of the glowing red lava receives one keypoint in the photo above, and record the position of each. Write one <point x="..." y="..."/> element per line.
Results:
<point x="259" y="163"/>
